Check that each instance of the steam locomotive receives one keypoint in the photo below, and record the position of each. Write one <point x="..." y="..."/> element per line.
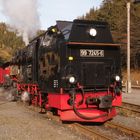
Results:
<point x="73" y="69"/>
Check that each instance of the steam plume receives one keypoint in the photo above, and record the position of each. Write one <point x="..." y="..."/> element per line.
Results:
<point x="22" y="16"/>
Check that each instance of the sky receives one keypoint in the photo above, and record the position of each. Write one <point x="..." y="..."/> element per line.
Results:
<point x="52" y="10"/>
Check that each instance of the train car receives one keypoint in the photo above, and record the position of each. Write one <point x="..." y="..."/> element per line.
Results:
<point x="4" y="73"/>
<point x="74" y="70"/>
<point x="1" y="76"/>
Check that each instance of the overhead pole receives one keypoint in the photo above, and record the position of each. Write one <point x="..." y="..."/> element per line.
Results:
<point x="128" y="83"/>
<point x="128" y="86"/>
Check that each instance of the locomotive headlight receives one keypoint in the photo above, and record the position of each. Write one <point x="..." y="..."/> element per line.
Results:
<point x="93" y="32"/>
<point x="70" y="58"/>
<point x="72" y="80"/>
<point x="117" y="78"/>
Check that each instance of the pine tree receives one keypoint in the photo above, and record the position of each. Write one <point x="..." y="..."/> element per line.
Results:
<point x="115" y="13"/>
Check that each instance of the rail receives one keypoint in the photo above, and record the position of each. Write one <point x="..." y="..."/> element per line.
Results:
<point x="123" y="128"/>
<point x="129" y="109"/>
<point x="91" y="133"/>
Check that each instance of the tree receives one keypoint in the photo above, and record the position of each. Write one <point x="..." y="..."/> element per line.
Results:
<point x="114" y="12"/>
<point x="9" y="43"/>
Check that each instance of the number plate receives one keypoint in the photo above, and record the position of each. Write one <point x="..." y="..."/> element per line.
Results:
<point x="91" y="53"/>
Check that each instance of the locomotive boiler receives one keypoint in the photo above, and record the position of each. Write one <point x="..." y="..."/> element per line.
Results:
<point x="73" y="69"/>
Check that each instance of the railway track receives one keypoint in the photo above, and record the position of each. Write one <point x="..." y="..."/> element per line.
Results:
<point x="88" y="132"/>
<point x="129" y="109"/>
<point x="122" y="128"/>
<point x="91" y="133"/>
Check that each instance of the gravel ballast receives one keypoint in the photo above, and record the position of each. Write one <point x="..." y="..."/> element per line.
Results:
<point x="20" y="123"/>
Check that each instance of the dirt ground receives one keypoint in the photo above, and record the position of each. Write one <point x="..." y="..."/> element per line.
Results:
<point x="20" y="123"/>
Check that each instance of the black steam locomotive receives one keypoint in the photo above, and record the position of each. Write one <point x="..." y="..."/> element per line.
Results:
<point x="73" y="69"/>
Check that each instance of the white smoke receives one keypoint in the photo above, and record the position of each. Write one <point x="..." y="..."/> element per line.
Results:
<point x="23" y="17"/>
<point x="25" y="97"/>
